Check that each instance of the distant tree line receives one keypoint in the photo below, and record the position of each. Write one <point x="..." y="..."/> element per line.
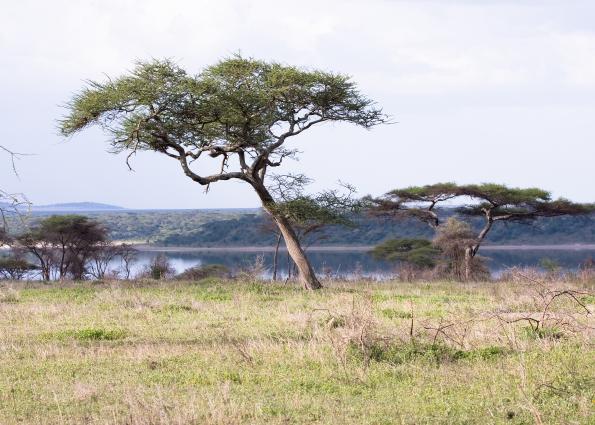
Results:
<point x="66" y="247"/>
<point x="245" y="228"/>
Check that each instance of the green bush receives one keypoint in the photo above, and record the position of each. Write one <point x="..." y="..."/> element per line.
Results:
<point x="391" y="313"/>
<point x="542" y="333"/>
<point x="204" y="272"/>
<point x="397" y="354"/>
<point x="86" y="334"/>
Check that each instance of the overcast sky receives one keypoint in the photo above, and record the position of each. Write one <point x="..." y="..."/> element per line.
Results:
<point x="483" y="91"/>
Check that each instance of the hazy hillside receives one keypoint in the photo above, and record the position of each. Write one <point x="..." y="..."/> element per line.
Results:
<point x="243" y="227"/>
<point x="69" y="207"/>
<point x="248" y="230"/>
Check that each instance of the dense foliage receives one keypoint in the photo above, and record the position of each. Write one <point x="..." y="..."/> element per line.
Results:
<point x="417" y="252"/>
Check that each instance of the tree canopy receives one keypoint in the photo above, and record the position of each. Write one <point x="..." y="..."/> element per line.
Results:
<point x="63" y="243"/>
<point x="238" y="107"/>
<point x="499" y="201"/>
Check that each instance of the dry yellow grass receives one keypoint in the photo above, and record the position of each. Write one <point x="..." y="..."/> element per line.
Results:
<point x="236" y="352"/>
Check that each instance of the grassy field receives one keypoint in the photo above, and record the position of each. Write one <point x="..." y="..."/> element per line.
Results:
<point x="352" y="353"/>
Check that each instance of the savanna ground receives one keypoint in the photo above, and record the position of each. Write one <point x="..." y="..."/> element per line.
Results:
<point x="351" y="353"/>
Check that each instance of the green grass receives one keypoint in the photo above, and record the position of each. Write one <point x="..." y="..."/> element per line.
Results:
<point x="85" y="334"/>
<point x="256" y="353"/>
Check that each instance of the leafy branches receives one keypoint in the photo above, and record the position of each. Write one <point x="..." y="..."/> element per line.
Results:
<point x="239" y="107"/>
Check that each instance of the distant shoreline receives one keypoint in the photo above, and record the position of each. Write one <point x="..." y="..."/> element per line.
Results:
<point x="341" y="248"/>
<point x="347" y="248"/>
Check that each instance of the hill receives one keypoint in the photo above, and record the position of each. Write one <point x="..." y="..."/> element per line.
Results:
<point x="245" y="227"/>
<point x="75" y="207"/>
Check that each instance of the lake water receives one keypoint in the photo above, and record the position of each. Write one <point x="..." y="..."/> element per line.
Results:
<point x="349" y="263"/>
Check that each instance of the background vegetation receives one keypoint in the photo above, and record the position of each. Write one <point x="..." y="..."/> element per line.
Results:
<point x="245" y="228"/>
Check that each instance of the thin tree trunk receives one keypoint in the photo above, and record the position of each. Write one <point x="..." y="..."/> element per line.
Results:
<point x="484" y="232"/>
<point x="289" y="266"/>
<point x="467" y="262"/>
<point x="276" y="256"/>
<point x="471" y="251"/>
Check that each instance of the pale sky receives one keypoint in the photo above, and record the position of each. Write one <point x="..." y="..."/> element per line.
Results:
<point x="481" y="90"/>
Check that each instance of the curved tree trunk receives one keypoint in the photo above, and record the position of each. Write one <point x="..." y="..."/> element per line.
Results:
<point x="306" y="273"/>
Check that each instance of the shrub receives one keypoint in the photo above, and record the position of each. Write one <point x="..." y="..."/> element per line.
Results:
<point x="401" y="353"/>
<point x="159" y="268"/>
<point x="453" y="238"/>
<point x="98" y="334"/>
<point x="205" y="271"/>
<point x="391" y="313"/>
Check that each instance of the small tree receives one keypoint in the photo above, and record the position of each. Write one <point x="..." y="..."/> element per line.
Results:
<point x="241" y="112"/>
<point x="128" y="255"/>
<point x="40" y="248"/>
<point x="310" y="215"/>
<point x="159" y="268"/>
<point x="101" y="256"/>
<point x="493" y="202"/>
<point x="63" y="243"/>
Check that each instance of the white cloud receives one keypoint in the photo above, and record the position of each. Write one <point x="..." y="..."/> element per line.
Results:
<point x="443" y="68"/>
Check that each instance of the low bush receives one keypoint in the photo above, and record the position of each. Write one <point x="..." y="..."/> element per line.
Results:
<point x="400" y="353"/>
<point x="204" y="272"/>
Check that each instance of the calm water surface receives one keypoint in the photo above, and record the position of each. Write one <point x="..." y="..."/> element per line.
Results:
<point x="349" y="263"/>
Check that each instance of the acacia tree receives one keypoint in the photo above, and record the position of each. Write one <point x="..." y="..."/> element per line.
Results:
<point x="15" y="267"/>
<point x="241" y="112"/>
<point x="102" y="254"/>
<point x="64" y="244"/>
<point x="492" y="202"/>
